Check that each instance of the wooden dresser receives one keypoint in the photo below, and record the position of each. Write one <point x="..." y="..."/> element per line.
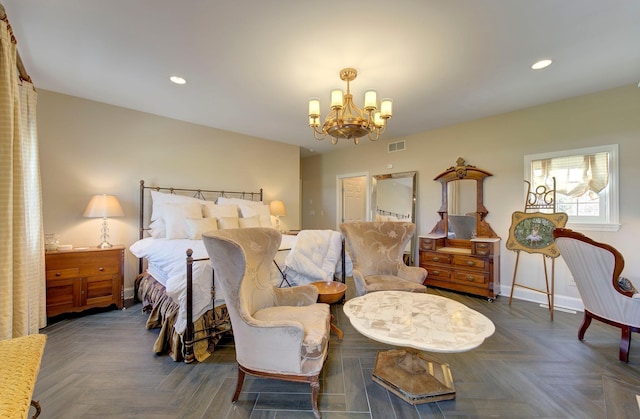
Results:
<point x="85" y="278"/>
<point x="474" y="270"/>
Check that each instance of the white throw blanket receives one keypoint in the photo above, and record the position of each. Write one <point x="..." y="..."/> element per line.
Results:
<point x="315" y="256"/>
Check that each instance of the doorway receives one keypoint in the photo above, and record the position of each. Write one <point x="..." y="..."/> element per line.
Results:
<point x="353" y="197"/>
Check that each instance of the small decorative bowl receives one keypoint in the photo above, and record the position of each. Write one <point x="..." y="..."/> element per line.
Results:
<point x="330" y="292"/>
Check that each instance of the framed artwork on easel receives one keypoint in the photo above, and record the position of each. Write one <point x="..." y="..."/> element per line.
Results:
<point x="532" y="232"/>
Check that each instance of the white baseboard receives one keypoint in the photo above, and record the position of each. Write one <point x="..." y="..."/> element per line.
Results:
<point x="561" y="302"/>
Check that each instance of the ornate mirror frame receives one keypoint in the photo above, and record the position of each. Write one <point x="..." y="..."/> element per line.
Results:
<point x="462" y="171"/>
<point x="398" y="212"/>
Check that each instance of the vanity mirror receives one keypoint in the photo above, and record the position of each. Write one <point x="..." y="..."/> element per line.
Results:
<point x="462" y="251"/>
<point x="393" y="198"/>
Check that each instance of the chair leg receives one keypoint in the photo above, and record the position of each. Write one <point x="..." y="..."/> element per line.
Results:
<point x="625" y="344"/>
<point x="241" y="375"/>
<point x="315" y="390"/>
<point x="36" y="404"/>
<point x="585" y="324"/>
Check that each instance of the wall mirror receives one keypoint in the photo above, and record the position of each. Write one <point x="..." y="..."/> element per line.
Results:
<point x="462" y="213"/>
<point x="393" y="198"/>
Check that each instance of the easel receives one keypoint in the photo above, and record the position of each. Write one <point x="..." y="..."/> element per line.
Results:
<point x="542" y="200"/>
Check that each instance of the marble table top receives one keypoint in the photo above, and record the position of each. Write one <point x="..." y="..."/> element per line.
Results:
<point x="422" y="321"/>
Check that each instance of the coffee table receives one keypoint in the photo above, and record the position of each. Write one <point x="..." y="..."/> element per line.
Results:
<point x="417" y="322"/>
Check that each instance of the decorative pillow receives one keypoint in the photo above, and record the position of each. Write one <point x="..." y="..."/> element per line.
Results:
<point x="236" y="201"/>
<point x="159" y="198"/>
<point x="626" y="285"/>
<point x="228" y="222"/>
<point x="211" y="210"/>
<point x="174" y="216"/>
<point x="249" y="222"/>
<point x="197" y="226"/>
<point x="157" y="229"/>
<point x="257" y="209"/>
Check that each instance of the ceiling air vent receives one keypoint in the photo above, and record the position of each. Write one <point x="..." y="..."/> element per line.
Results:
<point x="396" y="146"/>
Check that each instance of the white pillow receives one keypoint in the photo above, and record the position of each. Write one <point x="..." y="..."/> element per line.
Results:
<point x="210" y="209"/>
<point x="261" y="210"/>
<point x="236" y="201"/>
<point x="175" y="215"/>
<point x="243" y="205"/>
<point x="249" y="222"/>
<point x="197" y="226"/>
<point x="228" y="222"/>
<point x="159" y="198"/>
<point x="157" y="229"/>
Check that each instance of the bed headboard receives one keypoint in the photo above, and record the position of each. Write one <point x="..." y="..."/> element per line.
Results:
<point x="204" y="194"/>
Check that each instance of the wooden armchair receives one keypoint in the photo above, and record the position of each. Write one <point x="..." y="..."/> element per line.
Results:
<point x="596" y="269"/>
<point x="376" y="250"/>
<point x="279" y="333"/>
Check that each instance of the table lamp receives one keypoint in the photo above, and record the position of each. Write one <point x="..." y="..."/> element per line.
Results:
<point x="103" y="206"/>
<point x="277" y="209"/>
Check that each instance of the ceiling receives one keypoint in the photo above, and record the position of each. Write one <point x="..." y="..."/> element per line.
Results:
<point x="252" y="65"/>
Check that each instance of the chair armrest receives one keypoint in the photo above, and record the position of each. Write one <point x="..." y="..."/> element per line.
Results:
<point x="412" y="273"/>
<point x="302" y="295"/>
<point x="359" y="282"/>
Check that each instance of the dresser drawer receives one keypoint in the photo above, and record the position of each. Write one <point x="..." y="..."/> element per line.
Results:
<point x="470" y="262"/>
<point x="65" y="273"/>
<point x="435" y="257"/>
<point x="470" y="277"/>
<point x="482" y="248"/>
<point x="427" y="244"/>
<point x="438" y="273"/>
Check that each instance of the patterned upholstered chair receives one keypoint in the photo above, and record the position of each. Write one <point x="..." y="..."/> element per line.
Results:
<point x="279" y="333"/>
<point x="596" y="269"/>
<point x="376" y="249"/>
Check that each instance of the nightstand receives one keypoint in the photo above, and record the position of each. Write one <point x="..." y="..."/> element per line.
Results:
<point x="84" y="278"/>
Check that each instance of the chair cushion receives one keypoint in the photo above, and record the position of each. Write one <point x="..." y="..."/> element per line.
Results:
<point x="315" y="322"/>
<point x="391" y="283"/>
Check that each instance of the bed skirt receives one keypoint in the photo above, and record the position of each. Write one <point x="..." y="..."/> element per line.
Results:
<point x="209" y="328"/>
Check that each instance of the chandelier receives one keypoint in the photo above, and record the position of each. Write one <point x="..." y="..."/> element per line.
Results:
<point x="345" y="119"/>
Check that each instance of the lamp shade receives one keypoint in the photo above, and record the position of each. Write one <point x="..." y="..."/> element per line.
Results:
<point x="277" y="208"/>
<point x="103" y="206"/>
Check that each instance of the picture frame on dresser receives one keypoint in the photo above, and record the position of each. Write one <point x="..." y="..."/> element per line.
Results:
<point x="462" y="252"/>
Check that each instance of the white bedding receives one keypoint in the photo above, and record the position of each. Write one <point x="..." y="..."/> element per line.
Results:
<point x="167" y="260"/>
<point x="316" y="256"/>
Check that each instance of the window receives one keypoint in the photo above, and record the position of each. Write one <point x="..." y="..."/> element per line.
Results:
<point x="586" y="183"/>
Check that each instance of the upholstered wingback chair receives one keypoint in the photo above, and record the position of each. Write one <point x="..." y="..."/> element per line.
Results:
<point x="376" y="249"/>
<point x="279" y="332"/>
<point x="596" y="269"/>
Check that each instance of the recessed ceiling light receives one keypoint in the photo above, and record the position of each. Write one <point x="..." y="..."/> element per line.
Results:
<point x="541" y="64"/>
<point x="177" y="80"/>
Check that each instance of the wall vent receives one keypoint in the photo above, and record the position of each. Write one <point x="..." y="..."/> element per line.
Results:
<point x="396" y="146"/>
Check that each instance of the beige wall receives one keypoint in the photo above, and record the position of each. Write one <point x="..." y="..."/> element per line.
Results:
<point x="89" y="147"/>
<point x="498" y="144"/>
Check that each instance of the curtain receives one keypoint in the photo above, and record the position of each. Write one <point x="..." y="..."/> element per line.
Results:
<point x="575" y="175"/>
<point x="22" y="272"/>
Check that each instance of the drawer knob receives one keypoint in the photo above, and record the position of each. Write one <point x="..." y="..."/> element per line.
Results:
<point x="436" y="272"/>
<point x="469" y="278"/>
<point x="470" y="263"/>
<point x="101" y="269"/>
<point x="58" y="274"/>
<point x="435" y="259"/>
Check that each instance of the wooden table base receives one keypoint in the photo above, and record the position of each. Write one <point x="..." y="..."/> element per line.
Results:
<point x="413" y="376"/>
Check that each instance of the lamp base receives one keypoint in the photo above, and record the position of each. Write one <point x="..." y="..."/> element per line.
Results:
<point x="105" y="245"/>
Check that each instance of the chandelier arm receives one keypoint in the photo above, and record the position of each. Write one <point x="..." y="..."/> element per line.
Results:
<point x="318" y="135"/>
